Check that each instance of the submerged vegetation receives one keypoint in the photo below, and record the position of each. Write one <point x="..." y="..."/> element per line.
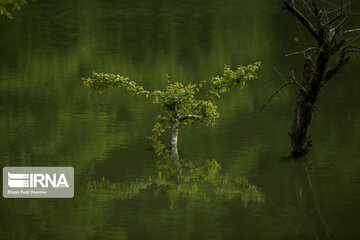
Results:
<point x="182" y="104"/>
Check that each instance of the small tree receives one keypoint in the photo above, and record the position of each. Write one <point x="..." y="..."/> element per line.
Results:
<point x="334" y="45"/>
<point x="182" y="104"/>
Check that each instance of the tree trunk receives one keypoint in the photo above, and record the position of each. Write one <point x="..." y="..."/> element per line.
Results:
<point x="314" y="78"/>
<point x="174" y="139"/>
<point x="302" y="118"/>
<point x="333" y="46"/>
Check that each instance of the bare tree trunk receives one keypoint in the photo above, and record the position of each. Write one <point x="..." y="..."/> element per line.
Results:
<point x="314" y="78"/>
<point x="174" y="139"/>
<point x="327" y="28"/>
<point x="175" y="133"/>
<point x="302" y="118"/>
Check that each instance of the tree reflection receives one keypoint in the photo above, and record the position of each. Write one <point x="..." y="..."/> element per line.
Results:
<point x="202" y="182"/>
<point x="313" y="225"/>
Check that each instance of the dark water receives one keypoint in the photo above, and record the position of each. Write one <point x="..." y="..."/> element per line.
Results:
<point x="47" y="118"/>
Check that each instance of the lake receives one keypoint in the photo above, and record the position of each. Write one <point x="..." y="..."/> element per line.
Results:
<point x="47" y="118"/>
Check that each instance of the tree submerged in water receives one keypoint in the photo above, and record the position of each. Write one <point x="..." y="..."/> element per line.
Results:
<point x="335" y="44"/>
<point x="182" y="104"/>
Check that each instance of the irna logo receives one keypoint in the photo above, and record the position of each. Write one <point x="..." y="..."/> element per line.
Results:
<point x="18" y="180"/>
<point x="38" y="182"/>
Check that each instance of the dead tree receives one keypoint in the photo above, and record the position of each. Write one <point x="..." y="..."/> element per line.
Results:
<point x="334" y="46"/>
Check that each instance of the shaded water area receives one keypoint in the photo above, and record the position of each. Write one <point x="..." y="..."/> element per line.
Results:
<point x="251" y="190"/>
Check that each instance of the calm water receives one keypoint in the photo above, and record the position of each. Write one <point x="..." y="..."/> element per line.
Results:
<point x="47" y="118"/>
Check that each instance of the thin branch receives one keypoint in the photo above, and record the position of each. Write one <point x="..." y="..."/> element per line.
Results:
<point x="293" y="81"/>
<point x="351" y="49"/>
<point x="335" y="19"/>
<point x="338" y="45"/>
<point x="352" y="30"/>
<point x="315" y="5"/>
<point x="299" y="52"/>
<point x="273" y="95"/>
<point x="340" y="24"/>
<point x="190" y="116"/>
<point x="279" y="73"/>
<point x="291" y="8"/>
<point x="342" y="62"/>
<point x="301" y="87"/>
<point x="353" y="38"/>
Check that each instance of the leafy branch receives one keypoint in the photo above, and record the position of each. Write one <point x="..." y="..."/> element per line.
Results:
<point x="182" y="104"/>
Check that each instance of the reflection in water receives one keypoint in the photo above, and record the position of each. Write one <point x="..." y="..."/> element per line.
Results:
<point x="202" y="183"/>
<point x="313" y="225"/>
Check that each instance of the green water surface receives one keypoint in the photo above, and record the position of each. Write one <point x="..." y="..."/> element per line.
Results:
<point x="47" y="118"/>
